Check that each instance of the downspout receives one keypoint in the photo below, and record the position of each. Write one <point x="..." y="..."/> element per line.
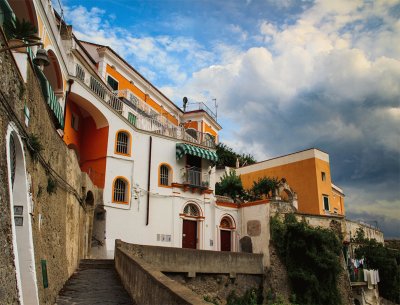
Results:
<point x="148" y="183"/>
<point x="70" y="82"/>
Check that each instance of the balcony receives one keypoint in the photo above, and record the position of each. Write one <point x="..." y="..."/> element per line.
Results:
<point x="50" y="97"/>
<point x="200" y="106"/>
<point x="194" y="179"/>
<point x="129" y="106"/>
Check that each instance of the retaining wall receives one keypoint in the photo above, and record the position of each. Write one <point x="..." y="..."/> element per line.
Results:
<point x="147" y="285"/>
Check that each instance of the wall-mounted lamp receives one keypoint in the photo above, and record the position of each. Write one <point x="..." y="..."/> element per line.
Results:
<point x="41" y="59"/>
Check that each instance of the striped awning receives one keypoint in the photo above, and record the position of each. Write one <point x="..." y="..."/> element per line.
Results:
<point x="187" y="149"/>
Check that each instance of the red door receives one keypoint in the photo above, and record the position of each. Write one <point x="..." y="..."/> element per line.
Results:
<point x="225" y="240"/>
<point x="189" y="236"/>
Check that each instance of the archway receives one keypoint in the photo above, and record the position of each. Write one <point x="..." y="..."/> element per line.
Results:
<point x="226" y="228"/>
<point x="191" y="227"/>
<point x="21" y="207"/>
<point x="98" y="238"/>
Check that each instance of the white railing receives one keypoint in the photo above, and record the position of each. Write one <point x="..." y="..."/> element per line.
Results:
<point x="200" y="106"/>
<point x="146" y="118"/>
<point x="138" y="103"/>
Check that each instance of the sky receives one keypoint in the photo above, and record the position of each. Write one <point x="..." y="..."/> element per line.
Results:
<point x="287" y="75"/>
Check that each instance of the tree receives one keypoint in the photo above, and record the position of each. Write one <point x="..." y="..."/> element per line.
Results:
<point x="230" y="185"/>
<point x="263" y="187"/>
<point x="227" y="157"/>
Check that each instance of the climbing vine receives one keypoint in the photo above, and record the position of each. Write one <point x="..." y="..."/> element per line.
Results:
<point x="311" y="256"/>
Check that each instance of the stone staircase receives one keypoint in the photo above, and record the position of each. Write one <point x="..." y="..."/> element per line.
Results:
<point x="94" y="282"/>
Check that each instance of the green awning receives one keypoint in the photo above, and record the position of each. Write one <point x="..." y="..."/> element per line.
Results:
<point x="187" y="149"/>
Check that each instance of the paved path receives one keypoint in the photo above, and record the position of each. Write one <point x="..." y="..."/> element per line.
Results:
<point x="95" y="282"/>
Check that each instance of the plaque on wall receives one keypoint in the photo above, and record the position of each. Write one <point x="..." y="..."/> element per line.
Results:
<point x="19" y="221"/>
<point x="18" y="209"/>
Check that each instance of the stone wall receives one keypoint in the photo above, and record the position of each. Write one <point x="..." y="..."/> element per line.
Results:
<point x="59" y="219"/>
<point x="196" y="261"/>
<point x="147" y="285"/>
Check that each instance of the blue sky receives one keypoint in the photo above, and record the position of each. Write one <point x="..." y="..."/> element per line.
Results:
<point x="287" y="75"/>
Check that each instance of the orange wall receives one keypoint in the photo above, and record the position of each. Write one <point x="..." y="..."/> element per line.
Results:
<point x="192" y="124"/>
<point x="305" y="178"/>
<point x="123" y="83"/>
<point x="301" y="178"/>
<point x="90" y="143"/>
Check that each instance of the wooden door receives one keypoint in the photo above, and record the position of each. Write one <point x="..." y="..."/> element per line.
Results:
<point x="226" y="239"/>
<point x="189" y="236"/>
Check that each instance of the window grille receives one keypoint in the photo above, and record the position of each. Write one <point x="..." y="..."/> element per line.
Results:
<point x="120" y="190"/>
<point x="13" y="159"/>
<point x="122" y="143"/>
<point x="191" y="210"/>
<point x="225" y="223"/>
<point x="164" y="175"/>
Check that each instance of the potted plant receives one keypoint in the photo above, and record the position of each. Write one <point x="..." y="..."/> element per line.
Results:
<point x="21" y="32"/>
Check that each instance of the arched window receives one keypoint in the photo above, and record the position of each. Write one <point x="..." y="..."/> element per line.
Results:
<point x="227" y="223"/>
<point x="191" y="210"/>
<point x="165" y="175"/>
<point x="120" y="190"/>
<point x="122" y="145"/>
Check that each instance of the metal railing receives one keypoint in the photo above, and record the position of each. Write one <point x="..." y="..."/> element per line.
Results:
<point x="200" y="106"/>
<point x="99" y="89"/>
<point x="195" y="177"/>
<point x="146" y="118"/>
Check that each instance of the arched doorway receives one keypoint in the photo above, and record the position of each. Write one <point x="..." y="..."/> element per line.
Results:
<point x="226" y="228"/>
<point x="191" y="227"/>
<point x="98" y="238"/>
<point x="21" y="208"/>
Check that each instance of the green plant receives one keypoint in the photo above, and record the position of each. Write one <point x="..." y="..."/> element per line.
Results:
<point x="51" y="185"/>
<point x="227" y="157"/>
<point x="309" y="254"/>
<point x="34" y="146"/>
<point x="251" y="297"/>
<point x="387" y="261"/>
<point x="230" y="185"/>
<point x="263" y="187"/>
<point x="23" y="30"/>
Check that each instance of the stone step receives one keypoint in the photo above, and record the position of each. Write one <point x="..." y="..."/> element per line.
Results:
<point x="96" y="264"/>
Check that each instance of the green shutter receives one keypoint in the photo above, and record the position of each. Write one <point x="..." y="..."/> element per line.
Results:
<point x="132" y="118"/>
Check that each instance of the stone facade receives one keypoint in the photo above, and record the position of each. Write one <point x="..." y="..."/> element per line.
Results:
<point x="60" y="219"/>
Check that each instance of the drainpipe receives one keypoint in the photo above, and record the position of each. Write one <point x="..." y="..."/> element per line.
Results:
<point x="70" y="82"/>
<point x="148" y="183"/>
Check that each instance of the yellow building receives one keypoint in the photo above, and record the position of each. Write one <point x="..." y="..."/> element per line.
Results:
<point x="308" y="174"/>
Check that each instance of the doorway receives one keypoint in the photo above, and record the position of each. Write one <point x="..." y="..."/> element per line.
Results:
<point x="21" y="209"/>
<point x="226" y="240"/>
<point x="189" y="235"/>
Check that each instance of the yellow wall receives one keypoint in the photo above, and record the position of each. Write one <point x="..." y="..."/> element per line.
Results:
<point x="123" y="83"/>
<point x="305" y="178"/>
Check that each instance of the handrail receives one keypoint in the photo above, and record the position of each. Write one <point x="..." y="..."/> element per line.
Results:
<point x="200" y="106"/>
<point x="146" y="118"/>
<point x="195" y="177"/>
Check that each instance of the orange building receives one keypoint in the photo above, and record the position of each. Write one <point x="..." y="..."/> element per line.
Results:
<point x="308" y="174"/>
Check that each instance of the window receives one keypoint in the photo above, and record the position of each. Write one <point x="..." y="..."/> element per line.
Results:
<point x="165" y="175"/>
<point x="323" y="176"/>
<point x="123" y="143"/>
<point x="112" y="82"/>
<point x="132" y="118"/>
<point x="191" y="210"/>
<point x="120" y="191"/>
<point x="326" y="202"/>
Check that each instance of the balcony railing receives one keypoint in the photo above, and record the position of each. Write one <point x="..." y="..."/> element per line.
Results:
<point x="195" y="177"/>
<point x="50" y="97"/>
<point x="146" y="118"/>
<point x="201" y="106"/>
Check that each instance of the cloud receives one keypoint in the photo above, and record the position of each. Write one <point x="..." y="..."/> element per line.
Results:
<point x="329" y="80"/>
<point x="160" y="57"/>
